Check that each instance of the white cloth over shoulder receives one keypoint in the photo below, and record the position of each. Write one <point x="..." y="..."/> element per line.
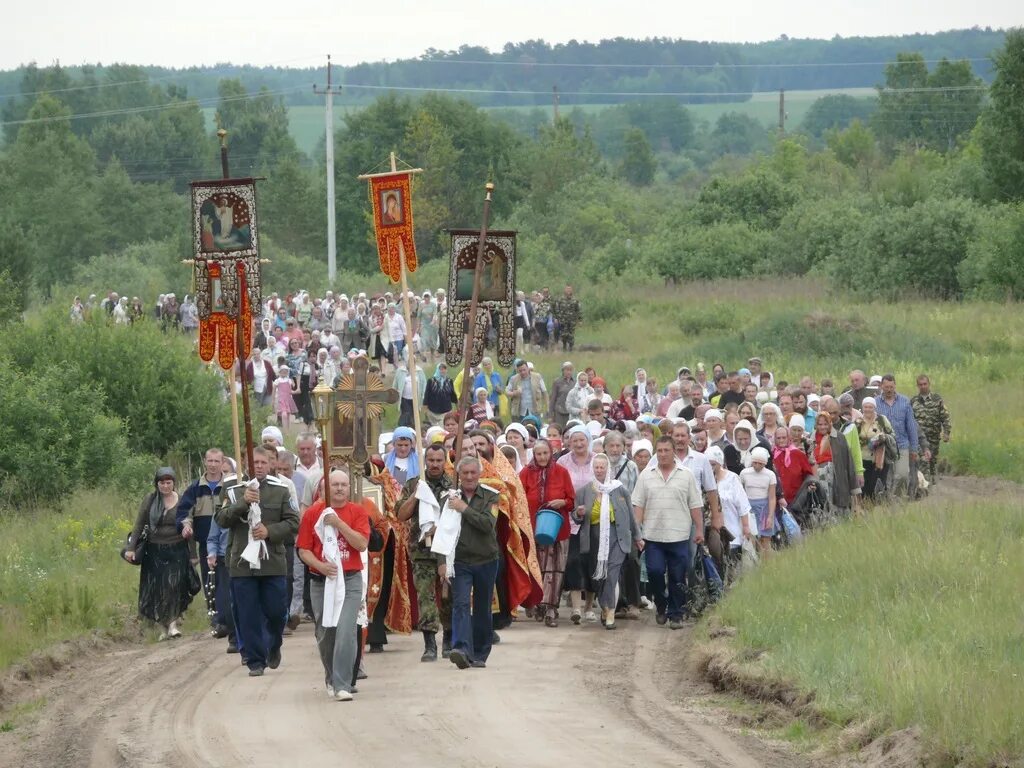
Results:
<point x="255" y="551"/>
<point x="334" y="588"/>
<point x="446" y="537"/>
<point x="429" y="509"/>
<point x="363" y="619"/>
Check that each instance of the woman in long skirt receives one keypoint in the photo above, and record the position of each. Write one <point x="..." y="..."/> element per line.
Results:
<point x="548" y="486"/>
<point x="167" y="582"/>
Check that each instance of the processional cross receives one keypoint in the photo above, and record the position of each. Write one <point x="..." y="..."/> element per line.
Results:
<point x="361" y="397"/>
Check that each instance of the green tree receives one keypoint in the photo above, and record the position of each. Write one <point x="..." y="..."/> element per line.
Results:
<point x="1002" y="127"/>
<point x="994" y="267"/>
<point x="559" y="156"/>
<point x="836" y="111"/>
<point x="927" y="110"/>
<point x="758" y="198"/>
<point x="855" y="147"/>
<point x="638" y="164"/>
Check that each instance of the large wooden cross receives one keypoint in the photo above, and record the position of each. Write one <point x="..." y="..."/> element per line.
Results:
<point x="361" y="397"/>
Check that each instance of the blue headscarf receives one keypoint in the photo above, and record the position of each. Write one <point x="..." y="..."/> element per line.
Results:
<point x="413" y="466"/>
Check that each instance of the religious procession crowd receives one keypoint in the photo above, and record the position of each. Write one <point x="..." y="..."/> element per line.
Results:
<point x="542" y="499"/>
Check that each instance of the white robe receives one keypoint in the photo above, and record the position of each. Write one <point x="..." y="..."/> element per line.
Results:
<point x="334" y="587"/>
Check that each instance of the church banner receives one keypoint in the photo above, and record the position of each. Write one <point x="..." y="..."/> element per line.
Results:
<point x="391" y="197"/>
<point x="226" y="265"/>
<point x="497" y="294"/>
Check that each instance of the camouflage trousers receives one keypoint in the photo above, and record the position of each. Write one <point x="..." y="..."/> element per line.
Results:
<point x="931" y="467"/>
<point x="567" y="335"/>
<point x="427" y="583"/>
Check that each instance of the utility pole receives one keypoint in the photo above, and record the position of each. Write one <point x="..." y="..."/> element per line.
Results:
<point x="332" y="248"/>
<point x="782" y="111"/>
<point x="554" y="94"/>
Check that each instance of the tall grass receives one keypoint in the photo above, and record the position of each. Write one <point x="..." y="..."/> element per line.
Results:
<point x="61" y="576"/>
<point x="914" y="617"/>
<point x="974" y="352"/>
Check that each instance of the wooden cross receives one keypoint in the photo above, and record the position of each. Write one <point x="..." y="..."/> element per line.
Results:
<point x="361" y="396"/>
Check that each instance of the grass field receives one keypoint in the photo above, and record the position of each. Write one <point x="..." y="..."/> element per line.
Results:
<point x="908" y="618"/>
<point x="307" y="122"/>
<point x="61" y="576"/>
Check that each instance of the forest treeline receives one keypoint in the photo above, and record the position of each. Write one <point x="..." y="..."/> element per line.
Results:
<point x="595" y="71"/>
<point x="923" y="185"/>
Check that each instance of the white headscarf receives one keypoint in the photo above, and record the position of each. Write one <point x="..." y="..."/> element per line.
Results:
<point x="604" y="543"/>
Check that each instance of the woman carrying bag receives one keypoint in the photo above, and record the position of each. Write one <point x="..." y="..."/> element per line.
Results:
<point x="167" y="581"/>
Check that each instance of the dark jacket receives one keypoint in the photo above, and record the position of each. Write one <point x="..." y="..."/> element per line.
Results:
<point x="440" y="395"/>
<point x="732" y="455"/>
<point x="478" y="540"/>
<point x="279" y="517"/>
<point x="198" y="504"/>
<point x="162" y="529"/>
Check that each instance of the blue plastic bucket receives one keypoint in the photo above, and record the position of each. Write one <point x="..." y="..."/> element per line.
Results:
<point x="549" y="523"/>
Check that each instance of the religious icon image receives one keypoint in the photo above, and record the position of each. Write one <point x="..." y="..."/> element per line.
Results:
<point x="493" y="278"/>
<point x="225" y="222"/>
<point x="216" y="295"/>
<point x="391" y="207"/>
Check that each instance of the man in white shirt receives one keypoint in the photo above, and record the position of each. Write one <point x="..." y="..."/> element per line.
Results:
<point x="396" y="332"/>
<point x="668" y="507"/>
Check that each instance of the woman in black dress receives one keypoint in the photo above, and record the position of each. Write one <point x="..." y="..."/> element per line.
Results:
<point x="168" y="581"/>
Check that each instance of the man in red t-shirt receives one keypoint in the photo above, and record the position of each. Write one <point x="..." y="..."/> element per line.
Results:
<point x="337" y="645"/>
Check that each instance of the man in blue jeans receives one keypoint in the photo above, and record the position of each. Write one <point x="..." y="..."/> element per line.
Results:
<point x="476" y="567"/>
<point x="667" y="502"/>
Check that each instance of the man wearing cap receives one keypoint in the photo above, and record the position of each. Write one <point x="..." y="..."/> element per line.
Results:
<point x="558" y="409"/>
<point x="259" y="582"/>
<point x="708" y="387"/>
<point x="754" y="366"/>
<point x="526" y="392"/>
<point x="859" y="387"/>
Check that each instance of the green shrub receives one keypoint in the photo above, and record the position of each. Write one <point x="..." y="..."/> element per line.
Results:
<point x="604" y="308"/>
<point x="994" y="267"/>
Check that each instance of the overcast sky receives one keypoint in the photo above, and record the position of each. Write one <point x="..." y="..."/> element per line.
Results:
<point x="300" y="32"/>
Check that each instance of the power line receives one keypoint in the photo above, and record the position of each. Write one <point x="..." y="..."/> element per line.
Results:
<point x="745" y="65"/>
<point x="115" y="84"/>
<point x="206" y="102"/>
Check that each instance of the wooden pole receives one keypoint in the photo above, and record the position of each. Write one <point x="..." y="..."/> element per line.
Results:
<point x="239" y="343"/>
<point x="234" y="414"/>
<point x="411" y="361"/>
<point x="474" y="306"/>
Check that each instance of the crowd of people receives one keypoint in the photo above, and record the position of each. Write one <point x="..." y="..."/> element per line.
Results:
<point x="540" y="500"/>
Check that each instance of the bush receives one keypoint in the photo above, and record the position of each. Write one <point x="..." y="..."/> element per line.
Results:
<point x="603" y="308"/>
<point x="54" y="434"/>
<point x="150" y="381"/>
<point x="994" y="267"/>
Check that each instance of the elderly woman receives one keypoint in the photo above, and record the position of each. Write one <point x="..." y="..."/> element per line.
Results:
<point x="548" y="486"/>
<point x="769" y="420"/>
<point x="608" y="530"/>
<point x="875" y="433"/>
<point x="167" y="581"/>
<point x="791" y="465"/>
<point x="579" y="396"/>
<point x="736" y="510"/>
<point x="481" y="409"/>
<point x="517" y="435"/>
<point x="578" y="462"/>
<point x="836" y="470"/>
<point x="490" y="380"/>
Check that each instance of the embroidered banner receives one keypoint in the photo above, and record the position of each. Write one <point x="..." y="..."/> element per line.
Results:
<point x="496" y="308"/>
<point x="391" y="196"/>
<point x="226" y="265"/>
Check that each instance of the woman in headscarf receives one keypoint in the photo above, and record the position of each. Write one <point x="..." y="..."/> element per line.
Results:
<point x="403" y="383"/>
<point x="836" y="470"/>
<point x="579" y="396"/>
<point x="608" y="530"/>
<point x="491" y="381"/>
<point x="481" y="409"/>
<point x="747" y="412"/>
<point x="440" y="395"/>
<point x="641" y="396"/>
<point x="376" y="347"/>
<point x="759" y="484"/>
<point x="791" y="465"/>
<point x="264" y="335"/>
<point x="578" y="462"/>
<point x="875" y="433"/>
<point x="769" y="420"/>
<point x="548" y="486"/>
<point x="516" y="436"/>
<point x="167" y="582"/>
<point x="735" y="510"/>
<point x="625" y="408"/>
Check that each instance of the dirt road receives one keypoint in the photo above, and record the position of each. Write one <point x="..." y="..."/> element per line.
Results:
<point x="568" y="696"/>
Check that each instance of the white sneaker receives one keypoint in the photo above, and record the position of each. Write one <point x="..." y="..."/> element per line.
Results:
<point x="342" y="695"/>
<point x="173" y="631"/>
<point x="590" y="617"/>
<point x="330" y="691"/>
<point x="646" y="604"/>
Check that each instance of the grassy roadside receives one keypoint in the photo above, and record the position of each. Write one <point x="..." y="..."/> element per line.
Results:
<point x="61" y="577"/>
<point x="905" y="619"/>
